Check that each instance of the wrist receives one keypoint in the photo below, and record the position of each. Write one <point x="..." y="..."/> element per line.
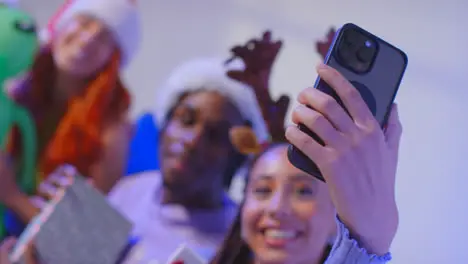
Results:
<point x="377" y="243"/>
<point x="23" y="207"/>
<point x="377" y="246"/>
<point x="12" y="199"/>
<point x="347" y="246"/>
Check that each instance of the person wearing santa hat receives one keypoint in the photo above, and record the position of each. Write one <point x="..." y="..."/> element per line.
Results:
<point x="77" y="98"/>
<point x="186" y="203"/>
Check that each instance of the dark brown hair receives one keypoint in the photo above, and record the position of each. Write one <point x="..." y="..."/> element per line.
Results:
<point x="77" y="139"/>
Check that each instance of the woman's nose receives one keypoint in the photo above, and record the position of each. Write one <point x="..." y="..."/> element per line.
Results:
<point x="191" y="138"/>
<point x="278" y="205"/>
<point x="87" y="37"/>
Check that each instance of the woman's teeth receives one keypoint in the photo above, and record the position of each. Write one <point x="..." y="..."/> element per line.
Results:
<point x="280" y="234"/>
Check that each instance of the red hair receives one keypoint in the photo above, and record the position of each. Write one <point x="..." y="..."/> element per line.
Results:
<point x="77" y="138"/>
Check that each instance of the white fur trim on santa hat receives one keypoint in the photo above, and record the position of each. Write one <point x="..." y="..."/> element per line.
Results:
<point x="210" y="74"/>
<point x="121" y="16"/>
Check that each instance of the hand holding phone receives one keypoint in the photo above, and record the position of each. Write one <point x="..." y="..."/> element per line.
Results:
<point x="372" y="66"/>
<point x="356" y="158"/>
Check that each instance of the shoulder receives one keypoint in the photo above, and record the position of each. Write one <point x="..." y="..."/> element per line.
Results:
<point x="117" y="129"/>
<point x="133" y="188"/>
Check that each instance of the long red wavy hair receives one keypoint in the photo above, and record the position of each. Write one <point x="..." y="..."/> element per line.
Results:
<point x="77" y="138"/>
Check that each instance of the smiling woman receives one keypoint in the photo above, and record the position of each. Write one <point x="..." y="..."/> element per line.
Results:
<point x="287" y="216"/>
<point x="77" y="100"/>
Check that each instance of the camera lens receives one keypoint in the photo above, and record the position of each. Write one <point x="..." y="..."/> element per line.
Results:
<point x="350" y="38"/>
<point x="365" y="54"/>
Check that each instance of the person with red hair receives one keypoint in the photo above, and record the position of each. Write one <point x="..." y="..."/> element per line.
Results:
<point x="77" y="98"/>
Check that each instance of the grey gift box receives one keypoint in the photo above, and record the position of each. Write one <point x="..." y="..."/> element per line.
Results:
<point x="77" y="227"/>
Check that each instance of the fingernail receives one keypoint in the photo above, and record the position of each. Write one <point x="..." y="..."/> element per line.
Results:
<point x="289" y="129"/>
<point x="69" y="170"/>
<point x="302" y="109"/>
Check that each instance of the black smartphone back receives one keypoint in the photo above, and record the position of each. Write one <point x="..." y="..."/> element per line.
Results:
<point x="372" y="65"/>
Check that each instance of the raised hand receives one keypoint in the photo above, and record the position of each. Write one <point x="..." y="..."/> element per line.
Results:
<point x="6" y="247"/>
<point x="258" y="56"/>
<point x="58" y="180"/>
<point x="358" y="161"/>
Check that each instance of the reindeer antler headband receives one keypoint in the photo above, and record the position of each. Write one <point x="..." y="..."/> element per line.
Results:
<point x="259" y="56"/>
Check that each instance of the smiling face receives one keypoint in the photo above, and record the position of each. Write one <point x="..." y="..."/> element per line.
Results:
<point x="83" y="46"/>
<point x="288" y="216"/>
<point x="195" y="147"/>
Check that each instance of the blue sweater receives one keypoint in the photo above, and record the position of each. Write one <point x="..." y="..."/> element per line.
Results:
<point x="347" y="251"/>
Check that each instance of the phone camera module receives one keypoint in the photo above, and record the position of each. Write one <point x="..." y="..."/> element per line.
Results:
<point x="365" y="54"/>
<point x="356" y="51"/>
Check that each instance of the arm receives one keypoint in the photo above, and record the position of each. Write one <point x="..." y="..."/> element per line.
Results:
<point x="106" y="172"/>
<point x="346" y="250"/>
<point x="112" y="164"/>
<point x="11" y="196"/>
<point x="23" y="208"/>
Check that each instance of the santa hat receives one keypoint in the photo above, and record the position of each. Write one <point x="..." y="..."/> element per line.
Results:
<point x="210" y="74"/>
<point x="121" y="16"/>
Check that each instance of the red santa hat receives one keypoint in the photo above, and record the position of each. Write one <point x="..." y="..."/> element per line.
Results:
<point x="121" y="16"/>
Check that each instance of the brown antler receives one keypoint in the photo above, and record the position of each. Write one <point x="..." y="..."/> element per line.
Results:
<point x="322" y="46"/>
<point x="259" y="56"/>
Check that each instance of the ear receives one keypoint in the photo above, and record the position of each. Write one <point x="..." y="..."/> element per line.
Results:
<point x="244" y="140"/>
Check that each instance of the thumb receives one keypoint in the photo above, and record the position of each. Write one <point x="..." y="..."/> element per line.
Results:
<point x="5" y="249"/>
<point x="394" y="128"/>
<point x="237" y="75"/>
<point x="7" y="245"/>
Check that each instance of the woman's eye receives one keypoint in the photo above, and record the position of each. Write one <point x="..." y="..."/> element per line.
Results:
<point x="304" y="191"/>
<point x="187" y="118"/>
<point x="262" y="190"/>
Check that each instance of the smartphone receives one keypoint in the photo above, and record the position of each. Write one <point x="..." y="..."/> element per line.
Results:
<point x="374" y="66"/>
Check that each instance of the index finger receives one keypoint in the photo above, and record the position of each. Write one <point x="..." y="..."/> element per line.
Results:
<point x="67" y="171"/>
<point x="349" y="95"/>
